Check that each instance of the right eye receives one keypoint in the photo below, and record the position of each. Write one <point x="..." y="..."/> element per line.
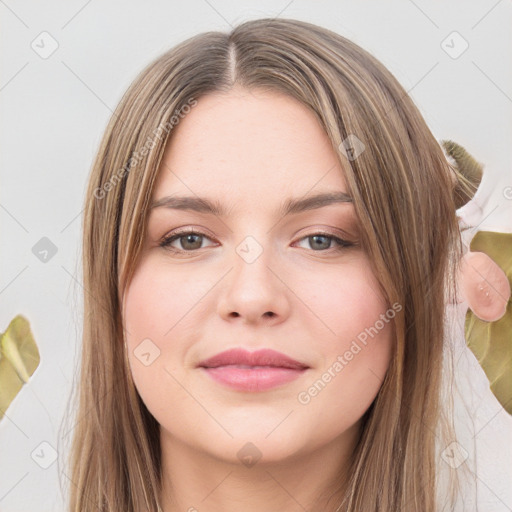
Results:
<point x="189" y="240"/>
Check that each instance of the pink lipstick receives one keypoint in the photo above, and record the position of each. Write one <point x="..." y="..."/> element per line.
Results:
<point x="252" y="371"/>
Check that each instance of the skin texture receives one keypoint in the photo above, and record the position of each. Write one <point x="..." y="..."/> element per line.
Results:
<point x="251" y="151"/>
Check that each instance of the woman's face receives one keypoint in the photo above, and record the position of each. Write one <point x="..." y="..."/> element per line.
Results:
<point x="253" y="277"/>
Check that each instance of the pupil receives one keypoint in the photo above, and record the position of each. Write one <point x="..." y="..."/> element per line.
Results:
<point x="326" y="241"/>
<point x="190" y="239"/>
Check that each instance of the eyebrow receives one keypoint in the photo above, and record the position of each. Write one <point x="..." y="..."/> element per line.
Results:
<point x="289" y="207"/>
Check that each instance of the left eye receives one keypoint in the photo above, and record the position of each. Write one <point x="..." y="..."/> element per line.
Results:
<point x="192" y="240"/>
<point x="323" y="241"/>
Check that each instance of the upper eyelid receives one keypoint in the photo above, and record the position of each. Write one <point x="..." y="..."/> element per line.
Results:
<point x="189" y="231"/>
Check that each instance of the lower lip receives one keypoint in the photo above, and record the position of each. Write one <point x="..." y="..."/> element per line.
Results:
<point x="258" y="378"/>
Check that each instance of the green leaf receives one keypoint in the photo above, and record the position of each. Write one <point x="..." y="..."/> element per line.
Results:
<point x="491" y="342"/>
<point x="19" y="358"/>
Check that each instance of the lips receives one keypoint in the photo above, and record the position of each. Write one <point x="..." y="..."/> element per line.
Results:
<point x="252" y="371"/>
<point x="264" y="357"/>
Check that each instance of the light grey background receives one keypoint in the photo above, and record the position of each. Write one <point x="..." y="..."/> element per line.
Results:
<point x="55" y="107"/>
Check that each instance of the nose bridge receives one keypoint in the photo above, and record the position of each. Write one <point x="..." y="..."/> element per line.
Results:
<point x="254" y="289"/>
<point x="252" y="266"/>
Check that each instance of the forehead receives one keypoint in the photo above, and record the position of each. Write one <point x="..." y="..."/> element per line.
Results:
<point x="255" y="146"/>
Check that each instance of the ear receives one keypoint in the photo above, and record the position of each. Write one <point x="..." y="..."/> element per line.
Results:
<point x="484" y="286"/>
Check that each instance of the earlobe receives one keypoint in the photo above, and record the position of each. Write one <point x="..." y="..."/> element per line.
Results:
<point x="484" y="286"/>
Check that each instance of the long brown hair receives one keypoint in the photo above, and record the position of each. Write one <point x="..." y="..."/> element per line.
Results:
<point x="401" y="186"/>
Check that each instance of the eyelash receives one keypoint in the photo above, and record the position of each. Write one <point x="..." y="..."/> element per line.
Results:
<point x="167" y="240"/>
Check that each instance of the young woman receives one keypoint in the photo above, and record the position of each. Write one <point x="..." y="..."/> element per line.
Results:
<point x="270" y="242"/>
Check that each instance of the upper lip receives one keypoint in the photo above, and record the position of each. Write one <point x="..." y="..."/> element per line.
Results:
<point x="263" y="357"/>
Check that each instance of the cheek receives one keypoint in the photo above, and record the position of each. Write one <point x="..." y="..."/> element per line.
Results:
<point x="163" y="307"/>
<point x="159" y="302"/>
<point x="346" y="303"/>
<point x="153" y="318"/>
<point x="355" y="350"/>
<point x="340" y="392"/>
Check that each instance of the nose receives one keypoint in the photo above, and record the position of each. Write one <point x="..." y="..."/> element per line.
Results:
<point x="254" y="292"/>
